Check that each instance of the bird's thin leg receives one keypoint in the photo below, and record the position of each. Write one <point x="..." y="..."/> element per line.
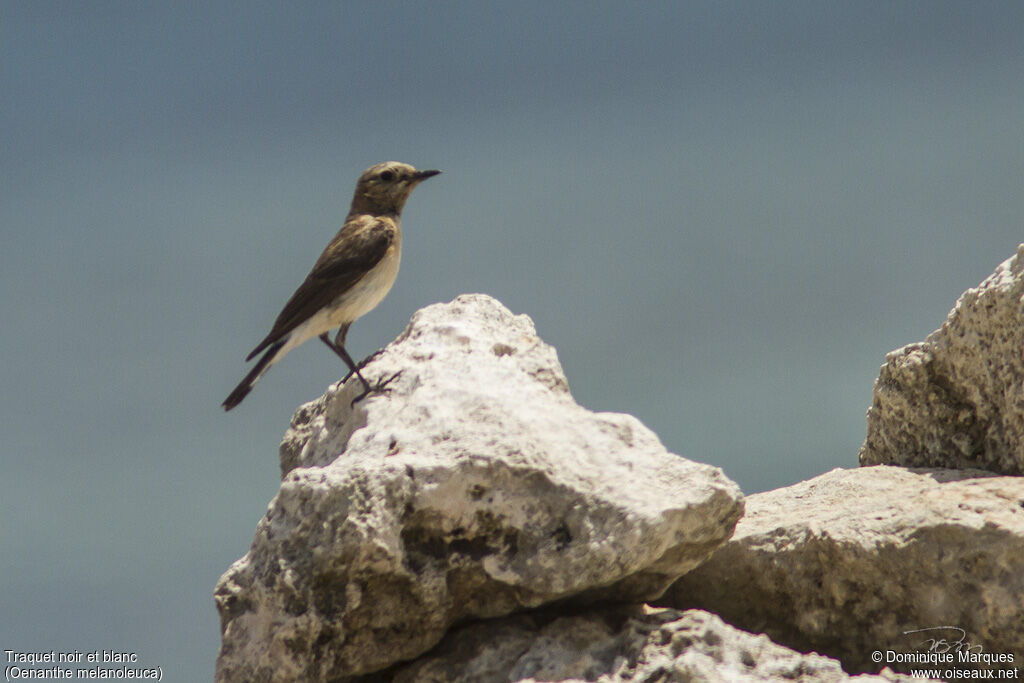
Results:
<point x="339" y="339"/>
<point x="340" y="350"/>
<point x="362" y="364"/>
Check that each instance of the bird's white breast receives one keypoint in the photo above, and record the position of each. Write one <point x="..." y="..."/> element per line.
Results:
<point x="359" y="300"/>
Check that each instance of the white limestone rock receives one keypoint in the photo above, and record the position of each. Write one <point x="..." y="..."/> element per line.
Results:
<point x="846" y="563"/>
<point x="476" y="487"/>
<point x="957" y="399"/>
<point x="616" y="646"/>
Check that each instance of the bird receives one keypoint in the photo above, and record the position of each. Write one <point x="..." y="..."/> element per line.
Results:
<point x="353" y="274"/>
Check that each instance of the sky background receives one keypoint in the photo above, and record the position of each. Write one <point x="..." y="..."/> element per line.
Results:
<point x="723" y="215"/>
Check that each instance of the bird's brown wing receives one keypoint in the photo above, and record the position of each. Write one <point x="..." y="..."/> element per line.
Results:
<point x="358" y="247"/>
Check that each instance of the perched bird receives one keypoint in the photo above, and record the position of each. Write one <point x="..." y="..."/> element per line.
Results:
<point x="352" y="275"/>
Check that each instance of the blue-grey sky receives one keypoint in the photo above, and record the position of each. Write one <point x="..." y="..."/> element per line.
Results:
<point x="722" y="214"/>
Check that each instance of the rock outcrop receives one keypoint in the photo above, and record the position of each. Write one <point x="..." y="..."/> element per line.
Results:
<point x="616" y="646"/>
<point x="471" y="522"/>
<point x="847" y="563"/>
<point x="957" y="399"/>
<point x="473" y="487"/>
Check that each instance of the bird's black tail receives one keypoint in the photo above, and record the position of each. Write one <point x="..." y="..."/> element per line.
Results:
<point x="246" y="385"/>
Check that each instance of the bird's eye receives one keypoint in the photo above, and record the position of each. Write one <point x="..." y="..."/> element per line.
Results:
<point x="387" y="176"/>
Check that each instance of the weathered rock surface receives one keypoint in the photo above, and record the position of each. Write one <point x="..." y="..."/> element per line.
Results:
<point x="476" y="487"/>
<point x="957" y="399"/>
<point x="612" y="646"/>
<point x="847" y="562"/>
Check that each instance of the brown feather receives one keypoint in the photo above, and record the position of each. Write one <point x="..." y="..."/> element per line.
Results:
<point x="354" y="251"/>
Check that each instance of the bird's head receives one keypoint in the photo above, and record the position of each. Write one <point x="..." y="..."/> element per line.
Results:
<point x="383" y="188"/>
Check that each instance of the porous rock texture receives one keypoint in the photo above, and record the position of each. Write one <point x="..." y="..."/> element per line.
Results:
<point x="957" y="399"/>
<point x="475" y="486"/>
<point x="844" y="564"/>
<point x="615" y="646"/>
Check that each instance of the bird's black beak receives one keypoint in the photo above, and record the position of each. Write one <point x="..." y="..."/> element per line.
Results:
<point x="423" y="175"/>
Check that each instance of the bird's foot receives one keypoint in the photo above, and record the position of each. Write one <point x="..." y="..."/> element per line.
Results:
<point x="362" y="364"/>
<point x="380" y="388"/>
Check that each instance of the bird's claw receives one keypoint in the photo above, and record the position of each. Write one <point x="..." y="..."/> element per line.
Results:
<point x="380" y="388"/>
